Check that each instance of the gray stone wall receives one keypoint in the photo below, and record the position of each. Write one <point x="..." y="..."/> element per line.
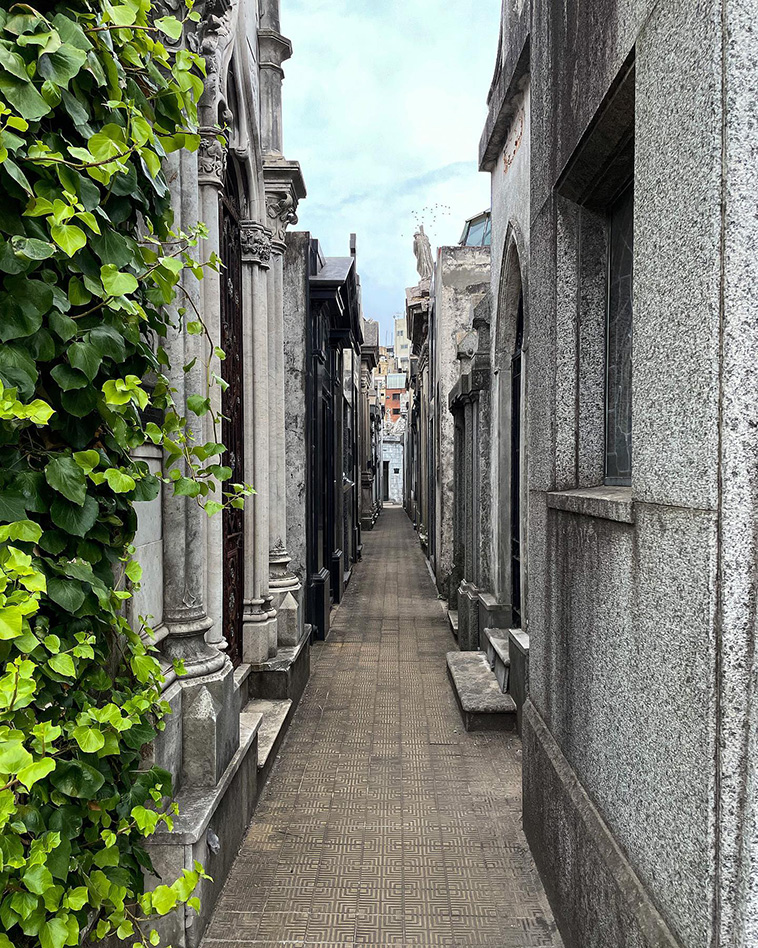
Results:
<point x="737" y="776"/>
<point x="623" y="597"/>
<point x="510" y="184"/>
<point x="295" y="353"/>
<point x="461" y="278"/>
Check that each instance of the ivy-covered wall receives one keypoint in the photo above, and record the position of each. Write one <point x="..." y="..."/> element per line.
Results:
<point x="91" y="104"/>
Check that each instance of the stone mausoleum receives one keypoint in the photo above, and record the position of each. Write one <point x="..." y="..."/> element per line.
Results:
<point x="603" y="403"/>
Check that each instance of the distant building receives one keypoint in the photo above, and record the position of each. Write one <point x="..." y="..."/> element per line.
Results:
<point x="396" y="397"/>
<point x="402" y="345"/>
<point x="370" y="419"/>
<point x="392" y="468"/>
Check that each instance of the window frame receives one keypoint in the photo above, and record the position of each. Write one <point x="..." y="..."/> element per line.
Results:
<point x="611" y="480"/>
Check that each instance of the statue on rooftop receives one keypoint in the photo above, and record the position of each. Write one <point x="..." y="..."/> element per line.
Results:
<point x="423" y="251"/>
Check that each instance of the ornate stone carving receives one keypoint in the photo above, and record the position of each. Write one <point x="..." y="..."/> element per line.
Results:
<point x="211" y="158"/>
<point x="256" y="243"/>
<point x="281" y="209"/>
<point x="213" y="24"/>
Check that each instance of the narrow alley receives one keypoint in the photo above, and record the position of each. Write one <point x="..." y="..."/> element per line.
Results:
<point x="384" y="822"/>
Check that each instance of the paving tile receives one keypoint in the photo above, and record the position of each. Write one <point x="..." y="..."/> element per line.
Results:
<point x="383" y="821"/>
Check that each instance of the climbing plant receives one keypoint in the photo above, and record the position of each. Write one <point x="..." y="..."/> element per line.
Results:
<point x="91" y="103"/>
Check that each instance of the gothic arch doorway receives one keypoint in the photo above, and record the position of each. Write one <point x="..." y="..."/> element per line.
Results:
<point x="515" y="471"/>
<point x="232" y="404"/>
<point x="510" y="359"/>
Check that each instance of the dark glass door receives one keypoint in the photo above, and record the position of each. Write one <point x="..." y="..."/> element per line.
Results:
<point x="516" y="468"/>
<point x="232" y="428"/>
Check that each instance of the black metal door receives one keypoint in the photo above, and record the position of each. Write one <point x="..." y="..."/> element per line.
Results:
<point x="233" y="422"/>
<point x="516" y="468"/>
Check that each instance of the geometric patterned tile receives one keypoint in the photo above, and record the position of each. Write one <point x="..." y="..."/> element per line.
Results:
<point x="383" y="821"/>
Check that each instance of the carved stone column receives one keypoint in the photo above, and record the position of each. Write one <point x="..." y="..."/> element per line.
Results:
<point x="259" y="624"/>
<point x="284" y="187"/>
<point x="211" y="169"/>
<point x="273" y="50"/>
<point x="184" y="523"/>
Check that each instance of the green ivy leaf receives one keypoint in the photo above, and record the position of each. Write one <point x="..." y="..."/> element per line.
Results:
<point x="63" y="326"/>
<point x="25" y="303"/>
<point x="118" y="481"/>
<point x="69" y="595"/>
<point x="61" y="66"/>
<point x="13" y="757"/>
<point x="64" y="475"/>
<point x="116" y="283"/>
<point x="63" y="664"/>
<point x="87" y="460"/>
<point x="108" y="341"/>
<point x="68" y="378"/>
<point x="86" y="358"/>
<point x="164" y="899"/>
<point x="40" y="769"/>
<point x="23" y="96"/>
<point x="89" y="739"/>
<point x="17" y="369"/>
<point x="199" y="405"/>
<point x="77" y="779"/>
<point x="38" y="879"/>
<point x="77" y="898"/>
<point x="54" y="934"/>
<point x="170" y="26"/>
<point x="73" y="519"/>
<point x="69" y="237"/>
<point x="32" y="248"/>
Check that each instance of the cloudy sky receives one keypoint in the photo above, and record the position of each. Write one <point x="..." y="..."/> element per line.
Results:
<point x="384" y="104"/>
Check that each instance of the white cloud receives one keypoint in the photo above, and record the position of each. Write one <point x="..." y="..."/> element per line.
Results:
<point x="384" y="104"/>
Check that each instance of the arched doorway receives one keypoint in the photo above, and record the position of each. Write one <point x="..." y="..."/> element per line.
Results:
<point x="232" y="404"/>
<point x="515" y="472"/>
<point x="510" y="364"/>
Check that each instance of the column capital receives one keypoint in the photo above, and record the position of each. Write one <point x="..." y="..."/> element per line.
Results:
<point x="284" y="189"/>
<point x="273" y="49"/>
<point x="255" y="240"/>
<point x="211" y="157"/>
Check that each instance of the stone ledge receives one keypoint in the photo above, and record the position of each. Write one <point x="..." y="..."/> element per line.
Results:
<point x="197" y="805"/>
<point x="285" y="675"/>
<point x="482" y="704"/>
<point x="607" y="503"/>
<point x="497" y="641"/>
<point x="276" y="715"/>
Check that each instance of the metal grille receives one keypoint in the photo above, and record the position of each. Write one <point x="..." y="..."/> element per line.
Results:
<point x="233" y="423"/>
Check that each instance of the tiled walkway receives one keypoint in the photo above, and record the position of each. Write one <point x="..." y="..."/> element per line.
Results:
<point x="384" y="822"/>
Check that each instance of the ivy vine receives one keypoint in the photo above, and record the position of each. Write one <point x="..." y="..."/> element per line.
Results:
<point x="91" y="103"/>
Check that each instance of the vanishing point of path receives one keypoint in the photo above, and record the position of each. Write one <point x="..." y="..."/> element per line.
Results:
<point x="385" y="823"/>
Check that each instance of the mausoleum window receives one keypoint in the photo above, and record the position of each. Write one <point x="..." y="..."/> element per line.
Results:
<point x="618" y="377"/>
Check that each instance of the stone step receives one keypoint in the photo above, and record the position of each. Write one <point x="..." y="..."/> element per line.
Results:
<point x="482" y="704"/>
<point x="498" y="655"/>
<point x="276" y="715"/>
<point x="452" y="618"/>
<point x="285" y="675"/>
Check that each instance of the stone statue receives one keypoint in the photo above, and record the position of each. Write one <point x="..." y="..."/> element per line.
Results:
<point x="423" y="250"/>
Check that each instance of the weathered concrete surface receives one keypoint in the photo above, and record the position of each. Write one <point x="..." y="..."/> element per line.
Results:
<point x="461" y="280"/>
<point x="384" y="823"/>
<point x="480" y="698"/>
